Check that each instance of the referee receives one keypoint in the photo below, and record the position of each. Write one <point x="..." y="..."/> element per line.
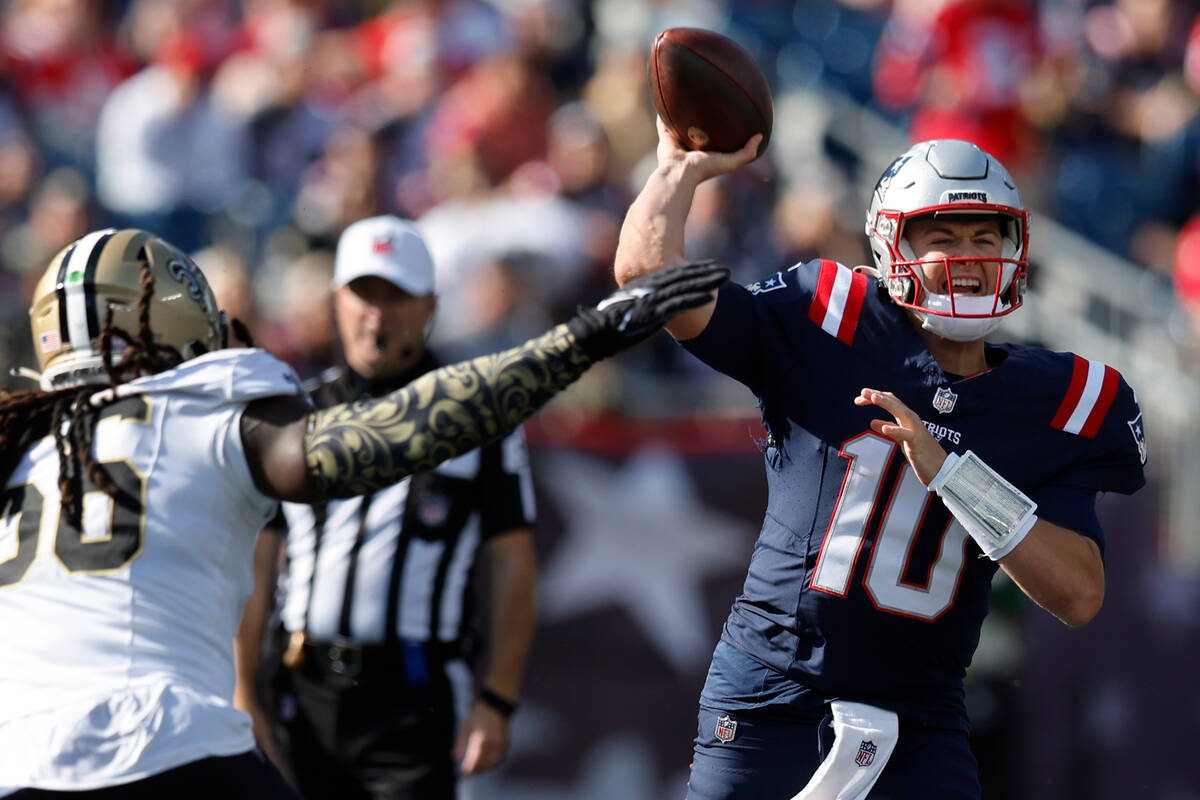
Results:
<point x="370" y="654"/>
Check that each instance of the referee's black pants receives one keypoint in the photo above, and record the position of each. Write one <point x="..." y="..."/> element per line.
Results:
<point x="370" y="736"/>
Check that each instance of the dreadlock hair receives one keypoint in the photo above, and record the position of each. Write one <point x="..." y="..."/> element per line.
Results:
<point x="70" y="415"/>
<point x="241" y="332"/>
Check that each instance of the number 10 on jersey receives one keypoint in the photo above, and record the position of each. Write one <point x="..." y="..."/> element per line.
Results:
<point x="898" y="526"/>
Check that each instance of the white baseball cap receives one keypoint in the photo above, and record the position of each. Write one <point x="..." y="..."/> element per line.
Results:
<point x="386" y="247"/>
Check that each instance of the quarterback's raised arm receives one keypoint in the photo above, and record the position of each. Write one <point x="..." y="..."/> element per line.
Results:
<point x="652" y="233"/>
<point x="299" y="454"/>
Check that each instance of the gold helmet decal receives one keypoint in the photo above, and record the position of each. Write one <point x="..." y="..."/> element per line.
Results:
<point x="103" y="270"/>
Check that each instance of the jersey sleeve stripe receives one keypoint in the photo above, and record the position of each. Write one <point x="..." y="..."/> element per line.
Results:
<point x="1087" y="402"/>
<point x="1090" y="395"/>
<point x="1108" y="392"/>
<point x="838" y="300"/>
<point x="1074" y="393"/>
<point x="820" y="303"/>
<point x="854" y="304"/>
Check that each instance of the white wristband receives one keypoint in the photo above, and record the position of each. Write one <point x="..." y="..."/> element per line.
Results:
<point x="997" y="514"/>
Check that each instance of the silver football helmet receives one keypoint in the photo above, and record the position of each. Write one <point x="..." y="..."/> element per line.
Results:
<point x="948" y="176"/>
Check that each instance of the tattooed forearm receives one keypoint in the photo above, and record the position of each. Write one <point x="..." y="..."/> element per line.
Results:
<point x="358" y="448"/>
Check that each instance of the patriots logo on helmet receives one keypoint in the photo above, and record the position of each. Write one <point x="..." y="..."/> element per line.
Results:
<point x="866" y="753"/>
<point x="886" y="178"/>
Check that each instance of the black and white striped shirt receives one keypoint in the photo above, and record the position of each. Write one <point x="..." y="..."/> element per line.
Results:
<point x="398" y="564"/>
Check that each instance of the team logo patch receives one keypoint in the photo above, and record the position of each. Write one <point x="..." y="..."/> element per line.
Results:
<point x="944" y="399"/>
<point x="1139" y="436"/>
<point x="770" y="284"/>
<point x="866" y="753"/>
<point x="726" y="728"/>
<point x="382" y="245"/>
<point x="434" y="510"/>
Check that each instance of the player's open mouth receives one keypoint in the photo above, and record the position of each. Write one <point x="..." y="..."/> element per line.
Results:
<point x="964" y="285"/>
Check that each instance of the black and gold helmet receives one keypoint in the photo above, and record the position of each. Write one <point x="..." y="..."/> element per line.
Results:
<point x="102" y="270"/>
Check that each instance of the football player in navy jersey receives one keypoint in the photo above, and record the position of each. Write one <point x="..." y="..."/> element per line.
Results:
<point x="907" y="459"/>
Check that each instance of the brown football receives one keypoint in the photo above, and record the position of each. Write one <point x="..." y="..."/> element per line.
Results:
<point x="708" y="90"/>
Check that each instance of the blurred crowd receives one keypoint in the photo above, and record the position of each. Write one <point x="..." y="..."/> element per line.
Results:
<point x="251" y="132"/>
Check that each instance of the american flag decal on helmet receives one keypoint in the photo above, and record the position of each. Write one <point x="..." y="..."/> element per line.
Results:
<point x="1089" y="396"/>
<point x="838" y="300"/>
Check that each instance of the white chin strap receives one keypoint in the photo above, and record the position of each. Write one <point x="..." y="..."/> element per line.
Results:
<point x="959" y="329"/>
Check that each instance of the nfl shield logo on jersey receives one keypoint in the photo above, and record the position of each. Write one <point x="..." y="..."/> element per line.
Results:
<point x="726" y="727"/>
<point x="945" y="399"/>
<point x="866" y="753"/>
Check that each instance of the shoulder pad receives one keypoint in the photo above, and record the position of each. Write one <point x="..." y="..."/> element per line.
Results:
<point x="231" y="375"/>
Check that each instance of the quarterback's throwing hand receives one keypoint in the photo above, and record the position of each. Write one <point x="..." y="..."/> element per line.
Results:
<point x="644" y="305"/>
<point x="703" y="164"/>
<point x="920" y="448"/>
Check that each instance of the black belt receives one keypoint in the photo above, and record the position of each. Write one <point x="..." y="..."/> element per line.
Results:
<point x="408" y="660"/>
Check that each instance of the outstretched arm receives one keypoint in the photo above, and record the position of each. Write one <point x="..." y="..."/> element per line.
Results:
<point x="295" y="453"/>
<point x="652" y="233"/>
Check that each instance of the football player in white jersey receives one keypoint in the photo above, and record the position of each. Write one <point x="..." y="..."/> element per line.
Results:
<point x="134" y="482"/>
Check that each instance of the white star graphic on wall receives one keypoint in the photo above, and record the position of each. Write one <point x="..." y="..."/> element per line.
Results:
<point x="637" y="536"/>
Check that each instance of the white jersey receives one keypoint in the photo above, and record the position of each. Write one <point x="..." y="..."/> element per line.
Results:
<point x="117" y="660"/>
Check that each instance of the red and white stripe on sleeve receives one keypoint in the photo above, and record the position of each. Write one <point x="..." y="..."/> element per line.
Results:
<point x="838" y="302"/>
<point x="1090" y="395"/>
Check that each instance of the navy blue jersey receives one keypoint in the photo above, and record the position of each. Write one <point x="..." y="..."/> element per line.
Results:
<point x="861" y="585"/>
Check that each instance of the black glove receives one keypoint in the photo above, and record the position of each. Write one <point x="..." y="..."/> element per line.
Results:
<point x="645" y="304"/>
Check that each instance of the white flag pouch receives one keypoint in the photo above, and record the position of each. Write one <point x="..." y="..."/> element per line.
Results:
<point x="864" y="738"/>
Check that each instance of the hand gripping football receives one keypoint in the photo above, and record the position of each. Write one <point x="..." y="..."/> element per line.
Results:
<point x="708" y="90"/>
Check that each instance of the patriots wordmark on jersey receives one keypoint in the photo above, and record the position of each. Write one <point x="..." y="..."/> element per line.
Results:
<point x="862" y="583"/>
